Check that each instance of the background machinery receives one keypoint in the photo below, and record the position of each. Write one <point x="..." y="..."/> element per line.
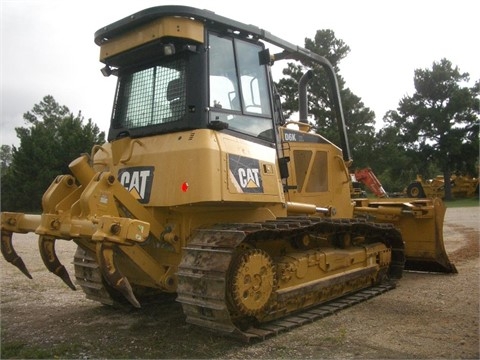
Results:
<point x="204" y="190"/>
<point x="367" y="177"/>
<point x="460" y="186"/>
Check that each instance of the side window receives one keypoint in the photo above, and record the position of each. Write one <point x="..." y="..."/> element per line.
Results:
<point x="239" y="96"/>
<point x="224" y="92"/>
<point x="253" y="79"/>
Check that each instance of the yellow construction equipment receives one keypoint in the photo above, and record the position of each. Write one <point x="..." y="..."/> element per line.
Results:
<point x="205" y="190"/>
<point x="461" y="187"/>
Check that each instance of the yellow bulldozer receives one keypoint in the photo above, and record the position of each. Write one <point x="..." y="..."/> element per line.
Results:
<point x="205" y="190"/>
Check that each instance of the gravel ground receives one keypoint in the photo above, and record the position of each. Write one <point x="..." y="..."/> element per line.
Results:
<point x="428" y="316"/>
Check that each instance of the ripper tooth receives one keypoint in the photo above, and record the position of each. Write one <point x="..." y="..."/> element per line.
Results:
<point x="46" y="246"/>
<point x="106" y="259"/>
<point x="10" y="255"/>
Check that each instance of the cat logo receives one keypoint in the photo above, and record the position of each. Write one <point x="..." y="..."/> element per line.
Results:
<point x="245" y="174"/>
<point x="138" y="182"/>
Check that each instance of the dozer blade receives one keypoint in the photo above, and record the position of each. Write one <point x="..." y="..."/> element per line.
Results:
<point x="421" y="223"/>
<point x="426" y="251"/>
<point x="106" y="259"/>
<point x="46" y="246"/>
<point x="9" y="253"/>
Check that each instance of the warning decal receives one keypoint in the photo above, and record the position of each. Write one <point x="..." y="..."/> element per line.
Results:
<point x="245" y="174"/>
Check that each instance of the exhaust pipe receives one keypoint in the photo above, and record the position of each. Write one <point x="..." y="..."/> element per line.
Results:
<point x="302" y="96"/>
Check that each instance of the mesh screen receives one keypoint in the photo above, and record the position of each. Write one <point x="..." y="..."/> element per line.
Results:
<point x="152" y="96"/>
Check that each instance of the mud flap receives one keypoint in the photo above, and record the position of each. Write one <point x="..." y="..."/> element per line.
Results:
<point x="46" y="246"/>
<point x="113" y="276"/>
<point x="9" y="253"/>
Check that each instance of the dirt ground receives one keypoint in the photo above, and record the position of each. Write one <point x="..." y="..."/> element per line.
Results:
<point x="428" y="316"/>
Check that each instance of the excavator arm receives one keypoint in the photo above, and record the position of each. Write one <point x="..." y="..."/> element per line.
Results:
<point x="367" y="177"/>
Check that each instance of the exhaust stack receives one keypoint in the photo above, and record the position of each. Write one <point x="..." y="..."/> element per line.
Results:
<point x="302" y="96"/>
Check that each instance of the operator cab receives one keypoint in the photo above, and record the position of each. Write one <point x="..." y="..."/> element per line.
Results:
<point x="185" y="73"/>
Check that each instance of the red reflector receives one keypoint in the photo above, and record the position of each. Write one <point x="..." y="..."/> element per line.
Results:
<point x="185" y="186"/>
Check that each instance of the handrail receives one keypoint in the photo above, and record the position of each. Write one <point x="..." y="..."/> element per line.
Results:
<point x="130" y="153"/>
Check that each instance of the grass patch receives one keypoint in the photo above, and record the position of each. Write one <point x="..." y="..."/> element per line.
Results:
<point x="19" y="350"/>
<point x="456" y="203"/>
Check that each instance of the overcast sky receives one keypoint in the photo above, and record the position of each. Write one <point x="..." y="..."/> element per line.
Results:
<point x="47" y="46"/>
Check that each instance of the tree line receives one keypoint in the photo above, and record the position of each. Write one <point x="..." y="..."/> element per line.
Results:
<point x="434" y="131"/>
<point x="52" y="139"/>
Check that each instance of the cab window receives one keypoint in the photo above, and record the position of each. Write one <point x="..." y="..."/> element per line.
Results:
<point x="239" y="94"/>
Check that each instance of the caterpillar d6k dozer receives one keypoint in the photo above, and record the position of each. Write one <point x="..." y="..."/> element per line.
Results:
<point x="204" y="189"/>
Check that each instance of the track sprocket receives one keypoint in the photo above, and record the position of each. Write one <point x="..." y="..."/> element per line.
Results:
<point x="253" y="280"/>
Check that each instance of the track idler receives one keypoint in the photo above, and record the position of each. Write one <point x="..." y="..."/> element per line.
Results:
<point x="9" y="253"/>
<point x="46" y="246"/>
<point x="113" y="276"/>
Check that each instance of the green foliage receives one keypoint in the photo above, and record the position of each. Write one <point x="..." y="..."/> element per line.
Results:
<point x="360" y="120"/>
<point x="19" y="350"/>
<point x="439" y="123"/>
<point x="52" y="139"/>
<point x="457" y="203"/>
<point x="432" y="132"/>
<point x="5" y="158"/>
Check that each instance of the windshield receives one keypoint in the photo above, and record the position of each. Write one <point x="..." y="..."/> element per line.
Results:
<point x="151" y="96"/>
